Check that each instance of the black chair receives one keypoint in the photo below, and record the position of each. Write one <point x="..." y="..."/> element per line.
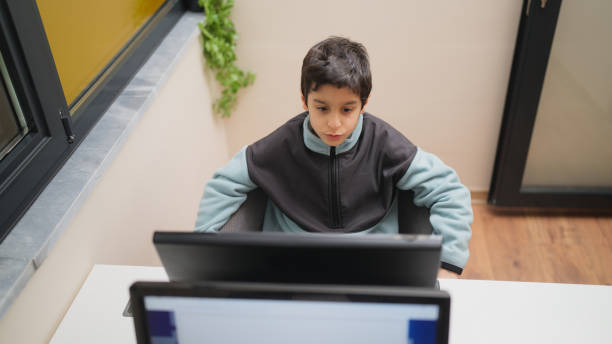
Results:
<point x="250" y="216"/>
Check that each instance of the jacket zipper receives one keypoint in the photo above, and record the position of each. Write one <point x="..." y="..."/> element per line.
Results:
<point x="334" y="189"/>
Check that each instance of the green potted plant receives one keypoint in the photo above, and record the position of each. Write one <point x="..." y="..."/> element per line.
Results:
<point x="219" y="38"/>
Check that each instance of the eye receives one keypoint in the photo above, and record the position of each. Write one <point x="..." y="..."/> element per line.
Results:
<point x="347" y="110"/>
<point x="322" y="108"/>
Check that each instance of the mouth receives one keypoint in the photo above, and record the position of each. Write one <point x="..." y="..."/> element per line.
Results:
<point x="333" y="137"/>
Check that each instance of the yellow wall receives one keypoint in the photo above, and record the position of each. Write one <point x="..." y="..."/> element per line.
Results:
<point x="85" y="35"/>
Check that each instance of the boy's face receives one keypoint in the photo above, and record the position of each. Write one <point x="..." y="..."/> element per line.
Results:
<point x="334" y="112"/>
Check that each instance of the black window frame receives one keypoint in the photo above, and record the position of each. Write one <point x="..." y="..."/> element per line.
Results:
<point x="31" y="165"/>
<point x="533" y="46"/>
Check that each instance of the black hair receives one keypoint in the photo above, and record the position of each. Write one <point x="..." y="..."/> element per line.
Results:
<point x="340" y="62"/>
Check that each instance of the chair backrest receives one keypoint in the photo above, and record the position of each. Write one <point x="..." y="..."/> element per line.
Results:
<point x="250" y="216"/>
<point x="412" y="219"/>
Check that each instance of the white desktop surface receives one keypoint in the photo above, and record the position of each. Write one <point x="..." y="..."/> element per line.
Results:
<point x="95" y="315"/>
<point x="481" y="311"/>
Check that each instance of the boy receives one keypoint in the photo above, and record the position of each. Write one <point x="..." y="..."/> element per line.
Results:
<point x="335" y="168"/>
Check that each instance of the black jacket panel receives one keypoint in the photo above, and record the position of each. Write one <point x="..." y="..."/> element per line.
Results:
<point x="302" y="183"/>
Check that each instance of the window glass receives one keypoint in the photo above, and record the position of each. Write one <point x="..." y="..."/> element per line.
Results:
<point x="13" y="126"/>
<point x="86" y="35"/>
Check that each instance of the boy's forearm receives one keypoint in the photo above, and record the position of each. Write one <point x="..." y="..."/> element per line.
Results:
<point x="217" y="205"/>
<point x="223" y="194"/>
<point x="451" y="216"/>
<point x="437" y="187"/>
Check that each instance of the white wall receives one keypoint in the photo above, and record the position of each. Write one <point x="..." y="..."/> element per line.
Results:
<point x="154" y="183"/>
<point x="440" y="69"/>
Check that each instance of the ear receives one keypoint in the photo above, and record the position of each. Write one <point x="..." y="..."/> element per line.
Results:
<point x="364" y="105"/>
<point x="304" y="103"/>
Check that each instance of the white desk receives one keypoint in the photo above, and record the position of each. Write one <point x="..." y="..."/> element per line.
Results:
<point x="481" y="311"/>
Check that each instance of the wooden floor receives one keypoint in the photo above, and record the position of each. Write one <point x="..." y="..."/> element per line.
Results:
<point x="525" y="246"/>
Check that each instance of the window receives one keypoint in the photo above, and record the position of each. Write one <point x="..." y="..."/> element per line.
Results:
<point x="62" y="64"/>
<point x="13" y="126"/>
<point x="84" y="46"/>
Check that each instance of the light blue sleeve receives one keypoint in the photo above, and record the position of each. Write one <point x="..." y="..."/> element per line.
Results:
<point x="224" y="193"/>
<point x="437" y="187"/>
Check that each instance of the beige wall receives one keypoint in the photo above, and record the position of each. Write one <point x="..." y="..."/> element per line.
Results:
<point x="155" y="182"/>
<point x="440" y="69"/>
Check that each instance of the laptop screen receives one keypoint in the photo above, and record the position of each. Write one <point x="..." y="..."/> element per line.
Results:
<point x="186" y="320"/>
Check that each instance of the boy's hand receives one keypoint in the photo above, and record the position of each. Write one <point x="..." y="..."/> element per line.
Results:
<point x="443" y="273"/>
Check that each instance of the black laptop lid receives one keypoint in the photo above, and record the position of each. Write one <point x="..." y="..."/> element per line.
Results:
<point x="274" y="313"/>
<point x="392" y="260"/>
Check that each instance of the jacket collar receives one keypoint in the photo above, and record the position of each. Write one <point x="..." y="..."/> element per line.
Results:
<point x="315" y="144"/>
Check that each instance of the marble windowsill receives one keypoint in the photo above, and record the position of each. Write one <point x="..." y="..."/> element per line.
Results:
<point x="29" y="243"/>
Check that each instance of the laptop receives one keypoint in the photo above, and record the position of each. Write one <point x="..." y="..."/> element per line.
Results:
<point x="243" y="312"/>
<point x="374" y="259"/>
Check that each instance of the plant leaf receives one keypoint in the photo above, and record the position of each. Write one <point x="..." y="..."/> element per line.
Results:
<point x="219" y="37"/>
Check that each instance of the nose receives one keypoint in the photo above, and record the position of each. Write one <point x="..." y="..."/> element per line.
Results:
<point x="334" y="122"/>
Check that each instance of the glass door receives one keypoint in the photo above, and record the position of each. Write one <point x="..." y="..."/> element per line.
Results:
<point x="571" y="144"/>
<point x="555" y="148"/>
